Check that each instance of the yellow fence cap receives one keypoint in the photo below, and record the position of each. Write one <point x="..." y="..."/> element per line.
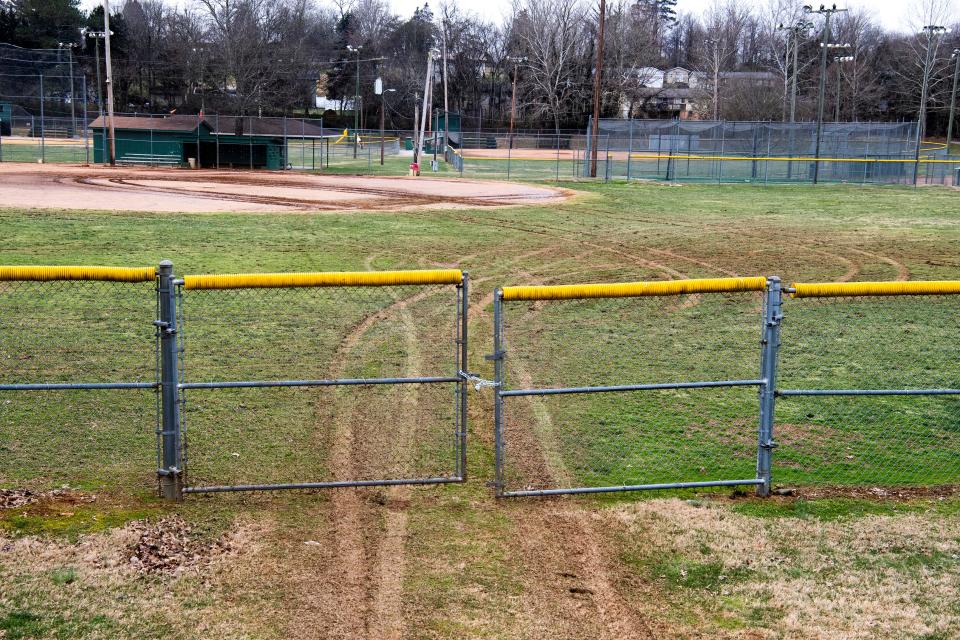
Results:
<point x="323" y="279"/>
<point x="634" y="289"/>
<point x="51" y="273"/>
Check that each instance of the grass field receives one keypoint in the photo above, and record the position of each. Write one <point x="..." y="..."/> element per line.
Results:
<point x="452" y="561"/>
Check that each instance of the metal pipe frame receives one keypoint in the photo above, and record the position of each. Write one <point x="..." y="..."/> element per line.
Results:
<point x="868" y="392"/>
<point x="246" y="384"/>
<point x="460" y="431"/>
<point x="771" y="342"/>
<point x="708" y="384"/>
<point x="319" y="485"/>
<point x="170" y="474"/>
<point x="769" y="358"/>
<point x="71" y="386"/>
<point x="630" y="487"/>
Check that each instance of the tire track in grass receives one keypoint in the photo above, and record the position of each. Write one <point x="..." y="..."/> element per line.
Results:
<point x="362" y="580"/>
<point x="387" y="609"/>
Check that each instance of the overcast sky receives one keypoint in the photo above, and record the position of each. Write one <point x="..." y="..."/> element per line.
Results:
<point x="892" y="14"/>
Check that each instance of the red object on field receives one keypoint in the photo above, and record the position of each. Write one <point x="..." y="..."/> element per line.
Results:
<point x="415" y="168"/>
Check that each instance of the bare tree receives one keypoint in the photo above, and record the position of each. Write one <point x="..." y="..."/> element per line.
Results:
<point x="551" y="35"/>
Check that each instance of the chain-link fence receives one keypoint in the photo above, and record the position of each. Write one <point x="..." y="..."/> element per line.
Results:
<point x="78" y="378"/>
<point x="324" y="380"/>
<point x="617" y="387"/>
<point x="867" y="390"/>
<point x="318" y="380"/>
<point x="769" y="152"/>
<point x="643" y="392"/>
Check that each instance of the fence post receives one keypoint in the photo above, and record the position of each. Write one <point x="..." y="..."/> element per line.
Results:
<point x="497" y="357"/>
<point x="770" y="348"/>
<point x="169" y="474"/>
<point x="464" y="382"/>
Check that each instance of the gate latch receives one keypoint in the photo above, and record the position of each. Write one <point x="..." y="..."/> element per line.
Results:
<point x="479" y="382"/>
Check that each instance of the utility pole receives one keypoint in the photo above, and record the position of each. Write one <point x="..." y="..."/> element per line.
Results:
<point x="427" y="100"/>
<point x="933" y="32"/>
<point x="96" y="36"/>
<point x="73" y="111"/>
<point x="106" y="44"/>
<point x="516" y="60"/>
<point x="839" y="60"/>
<point x="446" y="103"/>
<point x="953" y="98"/>
<point x="597" y="85"/>
<point x="356" y="101"/>
<point x="827" y="13"/>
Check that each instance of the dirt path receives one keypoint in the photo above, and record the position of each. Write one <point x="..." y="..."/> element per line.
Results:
<point x="178" y="190"/>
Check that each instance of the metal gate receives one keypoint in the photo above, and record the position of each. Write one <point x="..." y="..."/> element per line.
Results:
<point x="678" y="356"/>
<point x="78" y="380"/>
<point x="313" y="380"/>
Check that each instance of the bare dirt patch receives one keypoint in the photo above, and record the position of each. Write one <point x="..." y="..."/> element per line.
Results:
<point x="208" y="190"/>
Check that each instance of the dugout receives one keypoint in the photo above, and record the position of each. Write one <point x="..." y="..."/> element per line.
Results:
<point x="213" y="141"/>
<point x="6" y="118"/>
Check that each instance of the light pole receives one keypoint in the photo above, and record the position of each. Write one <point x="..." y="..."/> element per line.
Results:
<point x="516" y="60"/>
<point x="356" y="100"/>
<point x="838" y="61"/>
<point x="933" y="32"/>
<point x="199" y="50"/>
<point x="794" y="32"/>
<point x="378" y="89"/>
<point x="953" y="97"/>
<point x="96" y="36"/>
<point x="73" y="111"/>
<point x="827" y="13"/>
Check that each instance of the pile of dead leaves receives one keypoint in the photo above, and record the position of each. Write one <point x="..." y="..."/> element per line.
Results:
<point x="14" y="498"/>
<point x="168" y="546"/>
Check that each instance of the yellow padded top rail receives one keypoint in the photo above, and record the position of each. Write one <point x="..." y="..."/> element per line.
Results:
<point x="634" y="289"/>
<point x="323" y="279"/>
<point x="837" y="289"/>
<point x="109" y="274"/>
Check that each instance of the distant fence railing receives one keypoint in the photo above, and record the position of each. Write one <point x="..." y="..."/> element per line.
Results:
<point x="347" y="379"/>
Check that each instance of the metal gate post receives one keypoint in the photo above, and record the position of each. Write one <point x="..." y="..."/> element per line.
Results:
<point x="497" y="357"/>
<point x="170" y="473"/>
<point x="464" y="382"/>
<point x="768" y="373"/>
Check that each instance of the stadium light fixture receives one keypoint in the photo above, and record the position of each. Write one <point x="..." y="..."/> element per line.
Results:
<point x="827" y="13"/>
<point x="933" y="32"/>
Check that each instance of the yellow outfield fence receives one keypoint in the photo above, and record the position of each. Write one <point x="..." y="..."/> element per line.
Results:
<point x="52" y="273"/>
<point x="841" y="289"/>
<point x="323" y="279"/>
<point x="634" y="289"/>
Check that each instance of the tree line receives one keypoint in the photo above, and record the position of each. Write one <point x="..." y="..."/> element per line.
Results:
<point x="272" y="57"/>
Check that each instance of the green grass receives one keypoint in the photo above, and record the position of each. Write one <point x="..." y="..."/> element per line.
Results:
<point x="465" y="571"/>
<point x="637" y="232"/>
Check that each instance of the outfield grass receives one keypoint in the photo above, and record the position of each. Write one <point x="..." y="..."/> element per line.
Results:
<point x="470" y="566"/>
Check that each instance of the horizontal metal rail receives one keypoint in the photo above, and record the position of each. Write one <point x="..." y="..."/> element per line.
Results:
<point x="633" y="487"/>
<point x="633" y="387"/>
<point x="70" y="386"/>
<point x="244" y="384"/>
<point x="868" y="392"/>
<point x="319" y="485"/>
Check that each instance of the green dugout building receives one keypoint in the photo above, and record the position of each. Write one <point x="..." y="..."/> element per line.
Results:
<point x="217" y="141"/>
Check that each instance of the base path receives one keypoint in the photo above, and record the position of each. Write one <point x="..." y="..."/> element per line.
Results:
<point x="210" y="190"/>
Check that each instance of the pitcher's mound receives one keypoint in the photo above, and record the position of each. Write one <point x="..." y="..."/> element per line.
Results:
<point x="146" y="189"/>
